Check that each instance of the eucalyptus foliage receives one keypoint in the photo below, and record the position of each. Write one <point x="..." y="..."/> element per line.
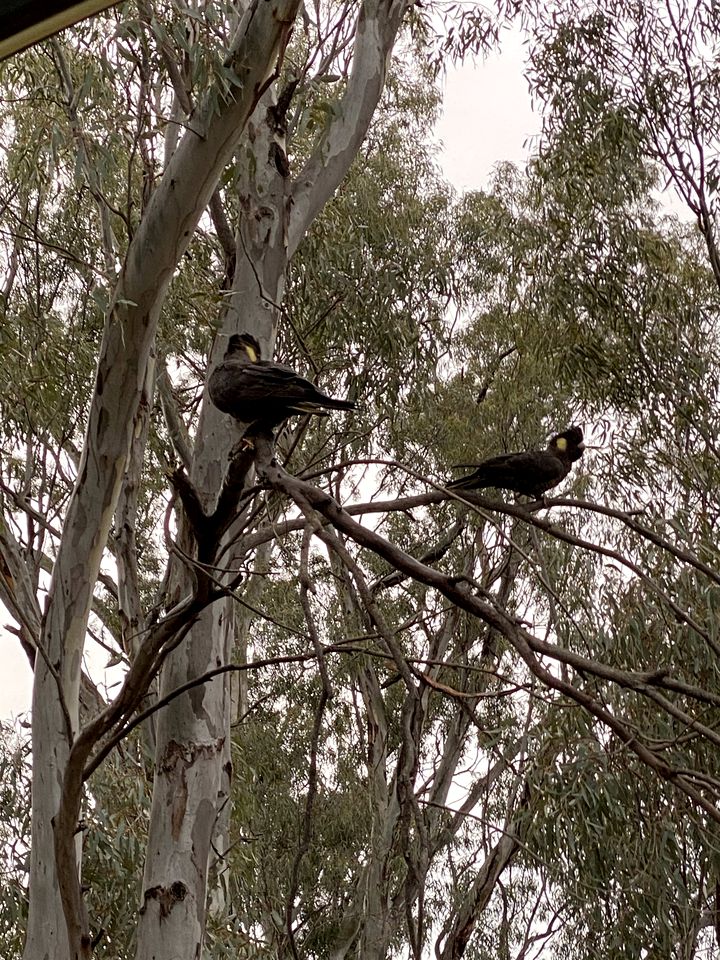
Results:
<point x="508" y="749"/>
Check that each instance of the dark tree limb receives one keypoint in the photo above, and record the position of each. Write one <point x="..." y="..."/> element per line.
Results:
<point x="531" y="649"/>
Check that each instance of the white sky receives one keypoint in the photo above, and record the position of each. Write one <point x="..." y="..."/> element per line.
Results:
<point x="15" y="677"/>
<point x="487" y="118"/>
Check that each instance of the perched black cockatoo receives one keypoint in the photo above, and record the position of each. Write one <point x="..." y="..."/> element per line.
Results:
<point x="532" y="472"/>
<point x="252" y="389"/>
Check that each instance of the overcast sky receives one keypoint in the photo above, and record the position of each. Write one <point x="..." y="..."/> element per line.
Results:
<point x="487" y="118"/>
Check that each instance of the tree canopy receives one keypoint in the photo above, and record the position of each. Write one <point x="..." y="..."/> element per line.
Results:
<point x="358" y="715"/>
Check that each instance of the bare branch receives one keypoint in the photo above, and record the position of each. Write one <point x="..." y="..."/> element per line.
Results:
<point x="377" y="26"/>
<point x="529" y="647"/>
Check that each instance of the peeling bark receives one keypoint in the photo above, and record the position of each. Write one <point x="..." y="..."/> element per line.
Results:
<point x="161" y="238"/>
<point x="257" y="287"/>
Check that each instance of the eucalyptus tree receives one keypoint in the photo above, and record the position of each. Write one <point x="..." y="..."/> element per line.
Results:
<point x="622" y="304"/>
<point x="177" y="92"/>
<point x="372" y="718"/>
<point x="145" y="111"/>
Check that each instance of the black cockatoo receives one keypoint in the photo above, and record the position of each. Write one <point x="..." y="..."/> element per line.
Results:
<point x="252" y="389"/>
<point x="532" y="472"/>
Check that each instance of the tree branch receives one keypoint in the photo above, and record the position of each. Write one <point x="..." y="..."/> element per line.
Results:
<point x="377" y="27"/>
<point x="526" y="644"/>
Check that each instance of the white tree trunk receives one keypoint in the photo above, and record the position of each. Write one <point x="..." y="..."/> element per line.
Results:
<point x="161" y="238"/>
<point x="192" y="767"/>
<point x="192" y="775"/>
<point x="192" y="735"/>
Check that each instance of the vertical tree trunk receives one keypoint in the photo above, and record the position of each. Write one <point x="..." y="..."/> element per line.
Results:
<point x="47" y="933"/>
<point x="192" y="777"/>
<point x="192" y="735"/>
<point x="163" y="235"/>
